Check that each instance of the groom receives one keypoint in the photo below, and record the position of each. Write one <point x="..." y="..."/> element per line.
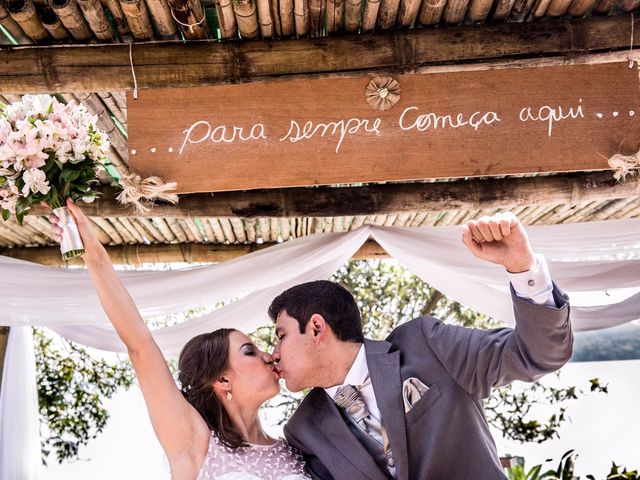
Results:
<point x="410" y="407"/>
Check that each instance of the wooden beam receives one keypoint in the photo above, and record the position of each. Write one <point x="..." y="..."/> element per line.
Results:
<point x="186" y="252"/>
<point x="177" y="64"/>
<point x="380" y="199"/>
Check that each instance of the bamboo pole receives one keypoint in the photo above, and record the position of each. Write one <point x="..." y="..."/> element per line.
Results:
<point x="275" y="15"/>
<point x="71" y="17"/>
<point x="503" y="9"/>
<point x="265" y="19"/>
<point x="24" y="13"/>
<point x="539" y="8"/>
<point x="370" y="15"/>
<point x="286" y="15"/>
<point x="113" y="107"/>
<point x="378" y="199"/>
<point x="246" y="18"/>
<point x="629" y="5"/>
<point x="12" y="26"/>
<point x="455" y="11"/>
<point x="431" y="12"/>
<point x="352" y="15"/>
<point x="479" y="10"/>
<point x="603" y="7"/>
<point x="160" y="13"/>
<point x="521" y="10"/>
<point x="557" y="8"/>
<point x="301" y="16"/>
<point x="97" y="20"/>
<point x="191" y="18"/>
<point x="118" y="16"/>
<point x="580" y="8"/>
<point x="317" y="11"/>
<point x="334" y="15"/>
<point x="226" y="19"/>
<point x="137" y="15"/>
<point x="387" y="14"/>
<point x="407" y="13"/>
<point x="52" y="23"/>
<point x="163" y="253"/>
<point x="107" y="67"/>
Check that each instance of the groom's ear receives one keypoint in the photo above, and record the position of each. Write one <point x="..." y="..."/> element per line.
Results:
<point x="317" y="327"/>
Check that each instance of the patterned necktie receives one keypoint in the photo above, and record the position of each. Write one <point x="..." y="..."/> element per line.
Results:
<point x="349" y="399"/>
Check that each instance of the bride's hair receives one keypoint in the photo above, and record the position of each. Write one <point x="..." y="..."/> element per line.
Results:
<point x="202" y="361"/>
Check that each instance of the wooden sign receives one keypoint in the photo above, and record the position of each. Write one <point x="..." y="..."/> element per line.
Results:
<point x="323" y="131"/>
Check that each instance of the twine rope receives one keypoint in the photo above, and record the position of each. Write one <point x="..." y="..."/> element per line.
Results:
<point x="133" y="72"/>
<point x="141" y="193"/>
<point x="189" y="25"/>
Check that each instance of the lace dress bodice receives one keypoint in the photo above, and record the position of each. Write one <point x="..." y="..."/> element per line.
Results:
<point x="254" y="462"/>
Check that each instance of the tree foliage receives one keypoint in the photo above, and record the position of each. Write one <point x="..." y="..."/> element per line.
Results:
<point x="72" y="386"/>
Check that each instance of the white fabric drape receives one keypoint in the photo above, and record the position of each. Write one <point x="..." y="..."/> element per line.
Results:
<point x="19" y="420"/>
<point x="587" y="257"/>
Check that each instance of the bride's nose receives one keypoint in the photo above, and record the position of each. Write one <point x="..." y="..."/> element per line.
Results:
<point x="267" y="358"/>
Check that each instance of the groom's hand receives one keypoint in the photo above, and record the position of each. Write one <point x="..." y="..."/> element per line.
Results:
<point x="499" y="239"/>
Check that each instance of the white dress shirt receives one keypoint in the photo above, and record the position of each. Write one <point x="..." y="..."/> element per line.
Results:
<point x="534" y="284"/>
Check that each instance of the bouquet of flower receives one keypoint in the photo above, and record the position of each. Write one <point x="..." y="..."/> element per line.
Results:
<point x="49" y="152"/>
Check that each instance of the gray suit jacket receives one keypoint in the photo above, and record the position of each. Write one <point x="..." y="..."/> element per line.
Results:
<point x="445" y="435"/>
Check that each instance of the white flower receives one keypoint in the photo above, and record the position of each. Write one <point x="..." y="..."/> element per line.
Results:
<point x="37" y="105"/>
<point x="36" y="181"/>
<point x="63" y="151"/>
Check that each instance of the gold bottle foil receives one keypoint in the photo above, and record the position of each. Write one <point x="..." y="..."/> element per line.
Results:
<point x="71" y="244"/>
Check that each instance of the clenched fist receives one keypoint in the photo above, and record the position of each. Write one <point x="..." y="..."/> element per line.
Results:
<point x="500" y="239"/>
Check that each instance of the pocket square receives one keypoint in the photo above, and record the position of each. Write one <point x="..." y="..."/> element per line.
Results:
<point x="412" y="391"/>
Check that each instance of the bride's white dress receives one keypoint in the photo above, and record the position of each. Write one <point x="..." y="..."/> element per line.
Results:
<point x="254" y="462"/>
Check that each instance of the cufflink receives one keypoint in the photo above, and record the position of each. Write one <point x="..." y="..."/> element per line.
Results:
<point x="531" y="283"/>
<point x="391" y="462"/>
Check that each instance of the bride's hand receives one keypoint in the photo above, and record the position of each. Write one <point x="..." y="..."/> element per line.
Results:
<point x="87" y="234"/>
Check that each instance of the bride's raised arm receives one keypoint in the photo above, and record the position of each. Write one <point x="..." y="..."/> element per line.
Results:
<point x="181" y="430"/>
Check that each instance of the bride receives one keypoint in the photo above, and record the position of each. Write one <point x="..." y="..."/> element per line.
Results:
<point x="210" y="429"/>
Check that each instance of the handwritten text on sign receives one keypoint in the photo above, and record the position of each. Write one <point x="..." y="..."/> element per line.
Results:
<point x="304" y="132"/>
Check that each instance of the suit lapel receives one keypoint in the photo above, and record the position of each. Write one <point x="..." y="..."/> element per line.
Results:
<point x="334" y="428"/>
<point x="384" y="370"/>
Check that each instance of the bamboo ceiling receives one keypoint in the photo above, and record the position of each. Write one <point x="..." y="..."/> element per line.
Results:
<point x="107" y="21"/>
<point x="113" y="21"/>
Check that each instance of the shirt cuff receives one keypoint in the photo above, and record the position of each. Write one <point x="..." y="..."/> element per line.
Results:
<point x="534" y="284"/>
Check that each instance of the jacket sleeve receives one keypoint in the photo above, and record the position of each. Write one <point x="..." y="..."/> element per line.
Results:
<point x="314" y="466"/>
<point x="479" y="360"/>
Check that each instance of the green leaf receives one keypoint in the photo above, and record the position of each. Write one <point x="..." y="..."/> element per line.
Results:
<point x="70" y="174"/>
<point x="22" y="206"/>
<point x="5" y="214"/>
<point x="51" y="162"/>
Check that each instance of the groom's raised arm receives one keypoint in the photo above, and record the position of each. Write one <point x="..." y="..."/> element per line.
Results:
<point x="542" y="340"/>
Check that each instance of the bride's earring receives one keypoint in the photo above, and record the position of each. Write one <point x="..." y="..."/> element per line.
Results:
<point x="229" y="396"/>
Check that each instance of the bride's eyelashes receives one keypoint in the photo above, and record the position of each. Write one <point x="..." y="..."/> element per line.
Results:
<point x="248" y="350"/>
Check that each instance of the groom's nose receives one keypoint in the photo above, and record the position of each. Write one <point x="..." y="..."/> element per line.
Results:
<point x="276" y="353"/>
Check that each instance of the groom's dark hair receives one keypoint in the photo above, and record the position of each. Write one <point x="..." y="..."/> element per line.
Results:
<point x="329" y="299"/>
